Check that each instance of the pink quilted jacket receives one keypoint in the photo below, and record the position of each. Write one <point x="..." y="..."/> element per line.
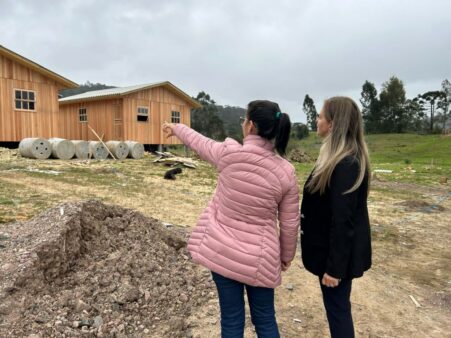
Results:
<point x="237" y="235"/>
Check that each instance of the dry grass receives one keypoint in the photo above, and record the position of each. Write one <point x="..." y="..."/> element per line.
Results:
<point x="29" y="187"/>
<point x="411" y="252"/>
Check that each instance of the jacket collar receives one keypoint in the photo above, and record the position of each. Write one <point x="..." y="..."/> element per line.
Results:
<point x="258" y="141"/>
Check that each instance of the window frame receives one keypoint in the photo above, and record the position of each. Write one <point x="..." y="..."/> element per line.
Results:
<point x="146" y="114"/>
<point x="80" y="114"/>
<point x="22" y="100"/>
<point x="175" y="118"/>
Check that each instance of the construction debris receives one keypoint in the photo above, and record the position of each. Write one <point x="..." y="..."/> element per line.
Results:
<point x="414" y="301"/>
<point x="171" y="160"/>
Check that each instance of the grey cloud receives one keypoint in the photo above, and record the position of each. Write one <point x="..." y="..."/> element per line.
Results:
<point x="235" y="50"/>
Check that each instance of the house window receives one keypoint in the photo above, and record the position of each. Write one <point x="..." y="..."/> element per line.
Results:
<point x="82" y="115"/>
<point x="175" y="117"/>
<point x="25" y="99"/>
<point x="143" y="114"/>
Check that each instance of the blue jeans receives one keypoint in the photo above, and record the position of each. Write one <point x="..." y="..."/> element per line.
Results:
<point x="338" y="309"/>
<point x="231" y="301"/>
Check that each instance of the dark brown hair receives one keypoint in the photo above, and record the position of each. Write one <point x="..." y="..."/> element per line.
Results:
<point x="271" y="123"/>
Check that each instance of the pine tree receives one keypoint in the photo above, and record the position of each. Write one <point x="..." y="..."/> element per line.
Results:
<point x="310" y="111"/>
<point x="392" y="104"/>
<point x="370" y="104"/>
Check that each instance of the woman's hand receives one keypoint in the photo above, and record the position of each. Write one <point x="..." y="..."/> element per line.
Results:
<point x="168" y="129"/>
<point x="285" y="266"/>
<point x="330" y="281"/>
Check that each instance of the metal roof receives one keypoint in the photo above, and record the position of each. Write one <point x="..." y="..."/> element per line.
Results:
<point x="121" y="91"/>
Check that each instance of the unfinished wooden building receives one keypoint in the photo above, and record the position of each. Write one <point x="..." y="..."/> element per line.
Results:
<point x="128" y="113"/>
<point x="28" y="98"/>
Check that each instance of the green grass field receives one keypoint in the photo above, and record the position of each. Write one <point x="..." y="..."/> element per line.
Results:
<point x="421" y="159"/>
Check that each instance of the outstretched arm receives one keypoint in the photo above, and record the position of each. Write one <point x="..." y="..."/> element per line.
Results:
<point x="208" y="149"/>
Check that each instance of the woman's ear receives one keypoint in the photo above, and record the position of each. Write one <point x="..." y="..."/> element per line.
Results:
<point x="252" y="128"/>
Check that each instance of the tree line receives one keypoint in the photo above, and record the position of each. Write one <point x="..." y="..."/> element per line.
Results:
<point x="219" y="122"/>
<point x="386" y="112"/>
<point x="390" y="111"/>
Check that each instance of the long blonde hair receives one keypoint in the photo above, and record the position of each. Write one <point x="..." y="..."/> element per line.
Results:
<point x="344" y="139"/>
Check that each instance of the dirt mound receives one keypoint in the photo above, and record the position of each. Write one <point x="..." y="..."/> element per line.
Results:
<point x="297" y="155"/>
<point x="421" y="206"/>
<point x="95" y="270"/>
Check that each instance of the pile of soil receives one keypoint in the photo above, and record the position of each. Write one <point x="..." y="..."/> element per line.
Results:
<point x="421" y="206"/>
<point x="94" y="270"/>
<point x="297" y="155"/>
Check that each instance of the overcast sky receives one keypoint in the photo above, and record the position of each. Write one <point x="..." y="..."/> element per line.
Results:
<point x="238" y="51"/>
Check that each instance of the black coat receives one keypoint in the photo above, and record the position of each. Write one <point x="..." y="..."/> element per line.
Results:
<point x="335" y="228"/>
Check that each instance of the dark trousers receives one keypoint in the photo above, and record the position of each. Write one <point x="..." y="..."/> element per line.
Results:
<point x="338" y="309"/>
<point x="231" y="301"/>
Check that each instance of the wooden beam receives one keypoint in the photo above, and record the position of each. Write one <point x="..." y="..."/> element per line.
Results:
<point x="100" y="139"/>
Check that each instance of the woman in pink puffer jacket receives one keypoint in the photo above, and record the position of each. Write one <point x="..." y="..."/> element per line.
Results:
<point x="248" y="233"/>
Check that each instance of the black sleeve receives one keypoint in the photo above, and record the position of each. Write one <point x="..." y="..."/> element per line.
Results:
<point x="343" y="209"/>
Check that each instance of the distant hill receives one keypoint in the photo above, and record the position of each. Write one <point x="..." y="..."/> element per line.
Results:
<point x="87" y="87"/>
<point x="230" y="116"/>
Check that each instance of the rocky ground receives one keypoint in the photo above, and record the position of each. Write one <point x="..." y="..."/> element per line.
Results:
<point x="94" y="270"/>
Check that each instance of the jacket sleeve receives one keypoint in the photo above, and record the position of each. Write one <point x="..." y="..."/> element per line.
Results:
<point x="289" y="221"/>
<point x="343" y="207"/>
<point x="208" y="149"/>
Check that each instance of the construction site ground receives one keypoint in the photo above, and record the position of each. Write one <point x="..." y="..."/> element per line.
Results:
<point x="96" y="248"/>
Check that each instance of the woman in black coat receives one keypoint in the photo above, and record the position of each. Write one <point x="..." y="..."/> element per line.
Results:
<point x="335" y="229"/>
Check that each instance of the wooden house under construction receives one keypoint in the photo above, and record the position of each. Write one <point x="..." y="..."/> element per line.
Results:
<point x="29" y="107"/>
<point x="28" y="98"/>
<point x="128" y="113"/>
